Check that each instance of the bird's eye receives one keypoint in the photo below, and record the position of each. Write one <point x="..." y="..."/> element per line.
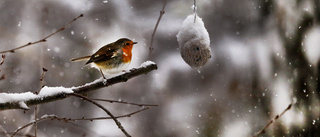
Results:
<point x="127" y="43"/>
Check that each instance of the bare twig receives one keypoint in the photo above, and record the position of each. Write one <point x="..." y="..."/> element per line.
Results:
<point x="43" y="39"/>
<point x="28" y="129"/>
<point x="54" y="117"/>
<point x="105" y="110"/>
<point x="44" y="70"/>
<point x="36" y="108"/>
<point x="157" y="24"/>
<point x="103" y="118"/>
<point x="3" y="57"/>
<point x="263" y="130"/>
<point x="31" y="123"/>
<point x="2" y="61"/>
<point x="36" y="117"/>
<point x="37" y="99"/>
<point x="123" y="102"/>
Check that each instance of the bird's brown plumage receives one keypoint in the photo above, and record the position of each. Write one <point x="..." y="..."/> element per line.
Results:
<point x="112" y="55"/>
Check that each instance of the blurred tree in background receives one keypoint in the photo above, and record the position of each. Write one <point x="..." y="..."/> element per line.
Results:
<point x="265" y="56"/>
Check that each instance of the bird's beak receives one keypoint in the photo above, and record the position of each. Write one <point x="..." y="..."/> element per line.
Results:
<point x="134" y="42"/>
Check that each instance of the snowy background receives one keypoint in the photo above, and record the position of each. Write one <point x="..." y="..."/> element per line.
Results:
<point x="263" y="59"/>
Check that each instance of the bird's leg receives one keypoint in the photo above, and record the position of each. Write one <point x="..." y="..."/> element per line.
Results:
<point x="105" y="81"/>
<point x="102" y="74"/>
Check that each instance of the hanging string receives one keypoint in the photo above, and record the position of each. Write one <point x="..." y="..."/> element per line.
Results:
<point x="195" y="10"/>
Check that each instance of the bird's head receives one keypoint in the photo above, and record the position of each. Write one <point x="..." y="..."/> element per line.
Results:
<point x="125" y="42"/>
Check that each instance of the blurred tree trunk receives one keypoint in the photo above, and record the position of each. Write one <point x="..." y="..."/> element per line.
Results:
<point x="301" y="73"/>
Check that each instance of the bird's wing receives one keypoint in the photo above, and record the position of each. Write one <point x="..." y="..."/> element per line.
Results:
<point x="105" y="53"/>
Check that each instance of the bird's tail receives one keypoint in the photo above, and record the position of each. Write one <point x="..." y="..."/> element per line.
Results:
<point x="85" y="58"/>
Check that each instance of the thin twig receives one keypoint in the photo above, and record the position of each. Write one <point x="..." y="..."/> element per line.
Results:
<point x="54" y="117"/>
<point x="2" y="61"/>
<point x="31" y="123"/>
<point x="28" y="129"/>
<point x="263" y="130"/>
<point x="106" y="110"/>
<point x="123" y="102"/>
<point x="36" y="108"/>
<point x="44" y="70"/>
<point x="155" y="28"/>
<point x="35" y="117"/>
<point x="103" y="118"/>
<point x="3" y="57"/>
<point x="44" y="39"/>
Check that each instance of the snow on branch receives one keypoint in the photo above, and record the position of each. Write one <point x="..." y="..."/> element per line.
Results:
<point x="49" y="94"/>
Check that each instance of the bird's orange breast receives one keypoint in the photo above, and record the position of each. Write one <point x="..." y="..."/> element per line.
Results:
<point x="127" y="54"/>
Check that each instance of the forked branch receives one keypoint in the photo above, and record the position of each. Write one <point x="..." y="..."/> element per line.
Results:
<point x="105" y="110"/>
<point x="155" y="27"/>
<point x="54" y="117"/>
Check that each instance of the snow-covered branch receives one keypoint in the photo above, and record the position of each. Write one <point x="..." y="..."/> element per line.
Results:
<point x="49" y="94"/>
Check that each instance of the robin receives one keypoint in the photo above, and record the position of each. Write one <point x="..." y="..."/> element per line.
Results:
<point x="111" y="58"/>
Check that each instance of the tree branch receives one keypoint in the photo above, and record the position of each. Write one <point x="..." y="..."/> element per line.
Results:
<point x="155" y="27"/>
<point x="2" y="61"/>
<point x="123" y="102"/>
<point x="105" y="110"/>
<point x="54" y="117"/>
<point x="263" y="130"/>
<point x="49" y="94"/>
<point x="43" y="39"/>
<point x="104" y="118"/>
